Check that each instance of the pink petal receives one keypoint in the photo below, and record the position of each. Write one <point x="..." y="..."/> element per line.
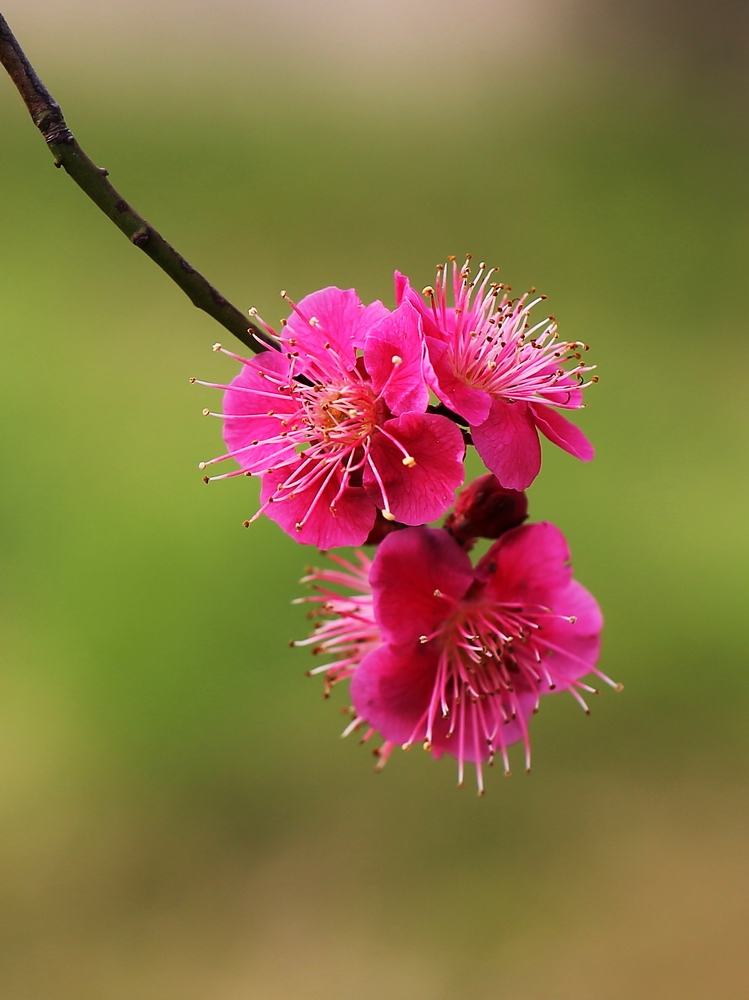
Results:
<point x="353" y="519"/>
<point x="530" y="563"/>
<point x="402" y="284"/>
<point x="248" y="394"/>
<point x="343" y="323"/>
<point x="572" y="648"/>
<point x="404" y="292"/>
<point x="424" y="491"/>
<point x="559" y="430"/>
<point x="394" y="358"/>
<point x="370" y="317"/>
<point x="507" y="441"/>
<point x="472" y="404"/>
<point x="572" y="398"/>
<point x="391" y="689"/>
<point x="410" y="567"/>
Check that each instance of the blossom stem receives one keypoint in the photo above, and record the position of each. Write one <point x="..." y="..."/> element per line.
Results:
<point x="48" y="118"/>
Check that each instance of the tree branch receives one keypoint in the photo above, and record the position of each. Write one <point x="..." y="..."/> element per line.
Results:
<point x="48" y="118"/>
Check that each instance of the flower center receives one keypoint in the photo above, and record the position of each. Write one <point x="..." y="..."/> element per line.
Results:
<point x="341" y="414"/>
<point x="478" y="648"/>
<point x="487" y="660"/>
<point x="494" y="347"/>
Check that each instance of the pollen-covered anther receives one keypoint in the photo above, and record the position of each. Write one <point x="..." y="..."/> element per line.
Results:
<point x="397" y="360"/>
<point x="216" y="347"/>
<point x="388" y="515"/>
<point x="423" y="639"/>
<point x="206" y="412"/>
<point x="409" y="461"/>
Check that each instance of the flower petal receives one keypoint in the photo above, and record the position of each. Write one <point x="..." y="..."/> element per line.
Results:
<point x="391" y="690"/>
<point x="394" y="358"/>
<point x="471" y="403"/>
<point x="572" y="648"/>
<point x="416" y="576"/>
<point x="507" y="441"/>
<point x="370" y="317"/>
<point x="420" y="492"/>
<point x="252" y="394"/>
<point x="558" y="429"/>
<point x="404" y="292"/>
<point x="349" y="525"/>
<point x="342" y="322"/>
<point x="530" y="563"/>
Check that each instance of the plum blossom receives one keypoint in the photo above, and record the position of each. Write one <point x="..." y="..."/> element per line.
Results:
<point x="505" y="377"/>
<point x="335" y="422"/>
<point x="466" y="652"/>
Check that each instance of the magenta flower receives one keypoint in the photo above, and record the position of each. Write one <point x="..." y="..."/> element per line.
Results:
<point x="335" y="423"/>
<point x="499" y="373"/>
<point x="467" y="651"/>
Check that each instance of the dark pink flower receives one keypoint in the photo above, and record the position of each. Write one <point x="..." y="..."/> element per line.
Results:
<point x="500" y="373"/>
<point x="467" y="651"/>
<point x="335" y="423"/>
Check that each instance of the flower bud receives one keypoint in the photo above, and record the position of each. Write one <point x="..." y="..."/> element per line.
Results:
<point x="381" y="528"/>
<point x="486" y="510"/>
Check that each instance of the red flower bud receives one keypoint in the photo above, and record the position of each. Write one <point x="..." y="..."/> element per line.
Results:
<point x="486" y="510"/>
<point x="381" y="529"/>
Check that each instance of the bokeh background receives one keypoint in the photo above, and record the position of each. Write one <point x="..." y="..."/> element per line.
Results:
<point x="178" y="818"/>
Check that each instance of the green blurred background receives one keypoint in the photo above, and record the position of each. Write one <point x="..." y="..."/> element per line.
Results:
<point x="178" y="818"/>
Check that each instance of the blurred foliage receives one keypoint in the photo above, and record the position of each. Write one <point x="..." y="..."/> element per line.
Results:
<point x="179" y="818"/>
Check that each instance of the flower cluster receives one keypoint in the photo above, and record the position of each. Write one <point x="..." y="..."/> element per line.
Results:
<point x="499" y="372"/>
<point x="336" y="426"/>
<point x="457" y="656"/>
<point x="357" y="427"/>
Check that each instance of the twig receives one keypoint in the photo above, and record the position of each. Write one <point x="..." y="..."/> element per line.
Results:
<point x="48" y="118"/>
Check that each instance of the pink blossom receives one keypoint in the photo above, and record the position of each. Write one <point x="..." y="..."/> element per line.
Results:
<point x="335" y="423"/>
<point x="467" y="651"/>
<point x="498" y="372"/>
